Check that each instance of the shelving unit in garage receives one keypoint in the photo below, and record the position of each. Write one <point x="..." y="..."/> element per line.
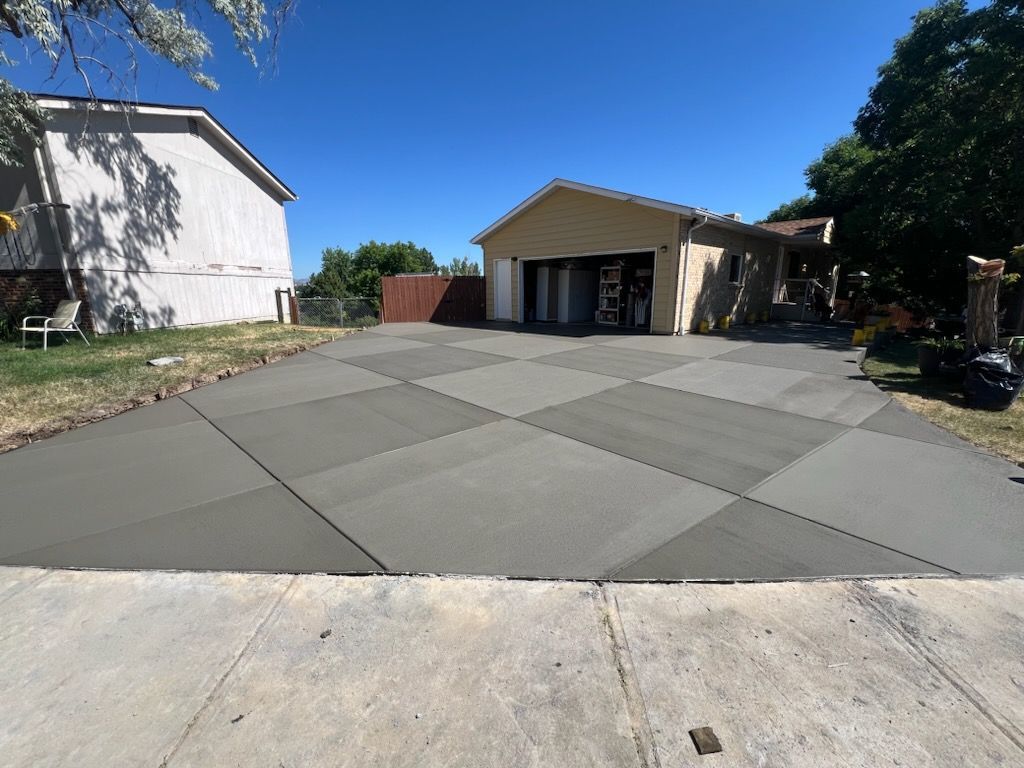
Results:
<point x="608" y="296"/>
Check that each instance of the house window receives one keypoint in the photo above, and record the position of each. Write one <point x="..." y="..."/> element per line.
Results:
<point x="193" y="126"/>
<point x="736" y="268"/>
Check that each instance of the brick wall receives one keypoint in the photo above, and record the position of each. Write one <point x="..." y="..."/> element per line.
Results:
<point x="709" y="294"/>
<point x="49" y="283"/>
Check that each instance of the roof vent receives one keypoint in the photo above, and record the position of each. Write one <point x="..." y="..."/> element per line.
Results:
<point x="734" y="216"/>
<point x="193" y="126"/>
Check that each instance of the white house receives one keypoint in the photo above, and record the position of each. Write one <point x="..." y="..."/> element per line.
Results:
<point x="167" y="210"/>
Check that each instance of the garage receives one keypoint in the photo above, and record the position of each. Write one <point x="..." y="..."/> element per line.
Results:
<point x="574" y="253"/>
<point x="613" y="289"/>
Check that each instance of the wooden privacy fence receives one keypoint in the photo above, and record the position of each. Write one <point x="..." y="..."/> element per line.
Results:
<point x="423" y="298"/>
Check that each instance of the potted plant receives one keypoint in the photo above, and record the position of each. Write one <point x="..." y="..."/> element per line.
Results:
<point x="929" y="356"/>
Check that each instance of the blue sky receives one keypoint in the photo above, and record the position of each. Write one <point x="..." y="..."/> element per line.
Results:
<point x="427" y="121"/>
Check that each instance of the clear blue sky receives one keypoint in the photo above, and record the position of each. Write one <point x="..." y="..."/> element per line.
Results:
<point x="427" y="121"/>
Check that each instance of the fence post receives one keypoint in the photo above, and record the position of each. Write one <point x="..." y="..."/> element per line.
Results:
<point x="280" y="309"/>
<point x="293" y="307"/>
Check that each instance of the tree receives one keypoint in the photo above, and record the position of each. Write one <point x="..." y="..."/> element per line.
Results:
<point x="333" y="278"/>
<point x="83" y="34"/>
<point x="803" y="207"/>
<point x="935" y="168"/>
<point x="461" y="266"/>
<point x="346" y="274"/>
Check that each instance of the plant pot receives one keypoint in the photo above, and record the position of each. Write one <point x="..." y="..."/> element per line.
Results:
<point x="928" y="360"/>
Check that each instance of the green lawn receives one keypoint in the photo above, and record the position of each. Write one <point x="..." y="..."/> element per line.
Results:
<point x="941" y="401"/>
<point x="42" y="392"/>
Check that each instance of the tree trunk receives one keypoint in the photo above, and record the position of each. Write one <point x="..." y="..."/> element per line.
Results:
<point x="983" y="302"/>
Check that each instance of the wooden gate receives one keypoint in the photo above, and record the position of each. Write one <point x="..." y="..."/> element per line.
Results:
<point x="432" y="298"/>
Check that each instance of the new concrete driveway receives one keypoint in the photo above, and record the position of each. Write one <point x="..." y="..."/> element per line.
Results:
<point x="758" y="453"/>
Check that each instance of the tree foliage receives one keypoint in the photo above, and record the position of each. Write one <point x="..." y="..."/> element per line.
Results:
<point x="100" y="41"/>
<point x="346" y="274"/>
<point x="935" y="167"/>
<point x="459" y="266"/>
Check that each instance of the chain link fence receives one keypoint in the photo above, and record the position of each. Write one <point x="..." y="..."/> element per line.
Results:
<point x="356" y="312"/>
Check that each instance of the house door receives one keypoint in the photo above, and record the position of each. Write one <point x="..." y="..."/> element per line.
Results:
<point x="503" y="289"/>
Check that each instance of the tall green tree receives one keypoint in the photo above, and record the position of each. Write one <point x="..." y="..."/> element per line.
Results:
<point x="99" y="41"/>
<point x="347" y="274"/>
<point x="935" y="168"/>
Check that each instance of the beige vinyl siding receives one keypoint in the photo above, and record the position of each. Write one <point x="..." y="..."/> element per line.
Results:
<point x="709" y="294"/>
<point x="572" y="223"/>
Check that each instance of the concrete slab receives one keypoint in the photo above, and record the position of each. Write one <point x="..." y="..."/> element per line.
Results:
<point x="122" y="661"/>
<point x="688" y="346"/>
<point x="747" y="540"/>
<point x="15" y="580"/>
<point x="451" y="335"/>
<point x="957" y="509"/>
<point x="400" y="671"/>
<point x="404" y="329"/>
<point x="519" y="386"/>
<point x="315" y="378"/>
<point x="165" y="413"/>
<point x="422" y="362"/>
<point x="366" y="343"/>
<point x="570" y="510"/>
<point x="521" y="346"/>
<point x="894" y="419"/>
<point x="844" y="401"/>
<point x="309" y="437"/>
<point x="267" y="529"/>
<point x="415" y="673"/>
<point x="805" y="675"/>
<point x="814" y="358"/>
<point x="614" y="361"/>
<point x="970" y="629"/>
<point x="728" y="445"/>
<point x="64" y="492"/>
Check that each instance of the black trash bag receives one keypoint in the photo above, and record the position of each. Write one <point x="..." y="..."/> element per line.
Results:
<point x="993" y="382"/>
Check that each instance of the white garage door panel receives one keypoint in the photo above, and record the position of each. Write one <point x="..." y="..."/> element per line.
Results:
<point x="503" y="289"/>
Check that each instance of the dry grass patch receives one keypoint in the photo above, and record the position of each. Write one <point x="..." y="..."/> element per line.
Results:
<point x="941" y="401"/>
<point x="71" y="384"/>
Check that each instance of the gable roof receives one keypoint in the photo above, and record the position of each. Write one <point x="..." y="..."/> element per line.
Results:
<point x="239" y="150"/>
<point x="815" y="228"/>
<point x="648" y="202"/>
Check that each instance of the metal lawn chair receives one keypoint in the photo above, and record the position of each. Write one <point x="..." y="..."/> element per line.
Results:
<point x="63" y="320"/>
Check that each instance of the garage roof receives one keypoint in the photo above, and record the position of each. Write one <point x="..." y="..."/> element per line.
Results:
<point x="648" y="202"/>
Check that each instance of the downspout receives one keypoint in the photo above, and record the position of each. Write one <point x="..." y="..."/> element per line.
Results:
<point x="43" y="167"/>
<point x="681" y="303"/>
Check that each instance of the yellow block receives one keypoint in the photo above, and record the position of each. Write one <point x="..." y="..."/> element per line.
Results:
<point x="751" y="318"/>
<point x="858" y="337"/>
<point x="869" y="333"/>
<point x="765" y="316"/>
<point x="704" y="326"/>
<point x="723" y="322"/>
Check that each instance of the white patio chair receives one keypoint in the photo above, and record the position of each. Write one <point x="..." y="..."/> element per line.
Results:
<point x="63" y="320"/>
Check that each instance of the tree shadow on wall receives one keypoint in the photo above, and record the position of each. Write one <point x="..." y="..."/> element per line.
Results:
<point x="122" y="230"/>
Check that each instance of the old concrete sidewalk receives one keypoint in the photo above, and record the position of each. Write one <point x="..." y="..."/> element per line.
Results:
<point x="108" y="668"/>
